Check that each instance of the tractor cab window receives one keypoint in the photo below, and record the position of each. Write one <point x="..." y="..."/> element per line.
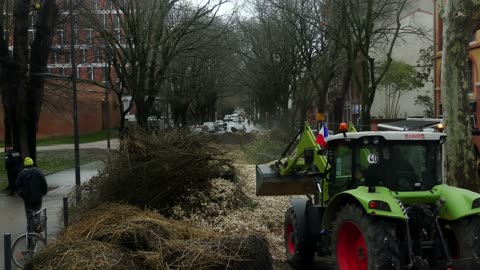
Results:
<point x="343" y="168"/>
<point x="402" y="166"/>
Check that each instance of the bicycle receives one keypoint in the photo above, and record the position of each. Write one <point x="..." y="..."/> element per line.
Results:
<point x="33" y="240"/>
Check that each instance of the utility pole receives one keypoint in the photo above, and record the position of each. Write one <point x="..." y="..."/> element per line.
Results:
<point x="107" y="77"/>
<point x="75" y="105"/>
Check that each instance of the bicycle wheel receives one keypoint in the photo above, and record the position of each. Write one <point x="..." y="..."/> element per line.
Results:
<point x="21" y="252"/>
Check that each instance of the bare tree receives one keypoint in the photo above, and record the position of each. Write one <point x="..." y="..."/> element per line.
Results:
<point x="318" y="52"/>
<point x="152" y="35"/>
<point x="367" y="31"/>
<point x="23" y="70"/>
<point x="198" y="79"/>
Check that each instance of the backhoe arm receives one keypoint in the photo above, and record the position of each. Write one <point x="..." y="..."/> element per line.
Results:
<point x="293" y="158"/>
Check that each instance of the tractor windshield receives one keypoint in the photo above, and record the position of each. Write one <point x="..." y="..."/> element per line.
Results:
<point x="400" y="165"/>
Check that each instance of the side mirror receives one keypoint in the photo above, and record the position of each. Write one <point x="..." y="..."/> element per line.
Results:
<point x="371" y="181"/>
<point x="308" y="155"/>
<point x="372" y="175"/>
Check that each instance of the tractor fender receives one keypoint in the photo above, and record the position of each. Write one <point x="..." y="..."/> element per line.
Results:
<point x="299" y="206"/>
<point x="361" y="197"/>
<point x="459" y="202"/>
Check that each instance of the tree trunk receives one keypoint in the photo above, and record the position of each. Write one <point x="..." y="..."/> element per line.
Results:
<point x="142" y="114"/>
<point x="20" y="57"/>
<point x="38" y="67"/>
<point x="460" y="161"/>
<point x="339" y="103"/>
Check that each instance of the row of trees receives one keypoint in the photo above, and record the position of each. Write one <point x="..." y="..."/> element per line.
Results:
<point x="172" y="50"/>
<point x="290" y="54"/>
<point x="296" y="53"/>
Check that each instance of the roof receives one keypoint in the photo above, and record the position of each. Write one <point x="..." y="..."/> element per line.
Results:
<point x="392" y="135"/>
<point x="410" y="124"/>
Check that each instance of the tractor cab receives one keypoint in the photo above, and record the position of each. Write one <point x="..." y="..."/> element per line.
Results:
<point x="379" y="202"/>
<point x="399" y="161"/>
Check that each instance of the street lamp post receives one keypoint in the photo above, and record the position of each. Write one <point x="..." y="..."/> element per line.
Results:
<point x="75" y="107"/>
<point x="107" y="77"/>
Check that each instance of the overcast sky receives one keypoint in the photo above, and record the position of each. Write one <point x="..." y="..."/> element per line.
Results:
<point x="226" y="8"/>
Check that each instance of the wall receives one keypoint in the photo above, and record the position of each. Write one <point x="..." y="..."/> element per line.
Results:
<point x="56" y="117"/>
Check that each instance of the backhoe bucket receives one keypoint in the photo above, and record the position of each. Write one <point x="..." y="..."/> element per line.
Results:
<point x="270" y="184"/>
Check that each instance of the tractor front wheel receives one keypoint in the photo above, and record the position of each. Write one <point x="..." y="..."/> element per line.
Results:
<point x="298" y="246"/>
<point x="360" y="242"/>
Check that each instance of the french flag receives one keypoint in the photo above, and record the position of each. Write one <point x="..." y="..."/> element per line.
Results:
<point x="322" y="136"/>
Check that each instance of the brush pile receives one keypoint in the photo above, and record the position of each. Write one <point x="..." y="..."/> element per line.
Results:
<point x="114" y="236"/>
<point x="154" y="171"/>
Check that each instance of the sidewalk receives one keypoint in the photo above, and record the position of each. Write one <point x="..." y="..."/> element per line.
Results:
<point x="12" y="213"/>
<point x="114" y="143"/>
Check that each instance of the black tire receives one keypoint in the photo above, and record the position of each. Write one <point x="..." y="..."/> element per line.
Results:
<point x="360" y="242"/>
<point x="467" y="235"/>
<point x="298" y="245"/>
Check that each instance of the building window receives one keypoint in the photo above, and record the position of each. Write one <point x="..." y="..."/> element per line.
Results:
<point x="104" y="20"/>
<point x="76" y="37"/>
<point x="60" y="37"/>
<point x="97" y="55"/>
<point x="117" y="32"/>
<point x="89" y="36"/>
<point x="53" y="57"/>
<point x="90" y="73"/>
<point x="84" y="55"/>
<point x="104" y="74"/>
<point x="109" y="5"/>
<point x="116" y="21"/>
<point x="470" y="76"/>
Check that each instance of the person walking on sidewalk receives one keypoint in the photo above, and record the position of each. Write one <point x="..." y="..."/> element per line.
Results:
<point x="13" y="165"/>
<point x="31" y="186"/>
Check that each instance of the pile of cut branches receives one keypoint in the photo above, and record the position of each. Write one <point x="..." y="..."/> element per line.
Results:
<point x="114" y="236"/>
<point x="153" y="171"/>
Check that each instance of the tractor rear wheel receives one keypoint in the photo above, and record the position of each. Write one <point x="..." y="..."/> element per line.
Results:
<point x="467" y="238"/>
<point x="298" y="246"/>
<point x="360" y="242"/>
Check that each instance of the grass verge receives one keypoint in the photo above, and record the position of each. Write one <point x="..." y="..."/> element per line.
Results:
<point x="57" y="160"/>
<point x="84" y="138"/>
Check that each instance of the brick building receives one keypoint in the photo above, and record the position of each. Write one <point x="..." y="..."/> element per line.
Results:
<point x="56" y="117"/>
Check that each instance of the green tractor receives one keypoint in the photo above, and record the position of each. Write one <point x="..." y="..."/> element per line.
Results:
<point x="375" y="201"/>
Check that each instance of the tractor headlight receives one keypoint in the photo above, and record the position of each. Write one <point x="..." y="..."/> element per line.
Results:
<point x="476" y="203"/>
<point x="379" y="205"/>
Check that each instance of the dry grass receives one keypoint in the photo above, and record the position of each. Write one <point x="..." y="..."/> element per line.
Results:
<point x="83" y="254"/>
<point x="114" y="236"/>
<point x="130" y="227"/>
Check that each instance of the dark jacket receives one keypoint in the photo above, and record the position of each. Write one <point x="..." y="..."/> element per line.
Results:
<point x="31" y="184"/>
<point x="13" y="162"/>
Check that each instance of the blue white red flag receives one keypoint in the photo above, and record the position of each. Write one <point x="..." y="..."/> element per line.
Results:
<point x="322" y="136"/>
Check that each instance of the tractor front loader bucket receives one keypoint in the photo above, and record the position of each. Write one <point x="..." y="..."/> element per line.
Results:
<point x="271" y="184"/>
